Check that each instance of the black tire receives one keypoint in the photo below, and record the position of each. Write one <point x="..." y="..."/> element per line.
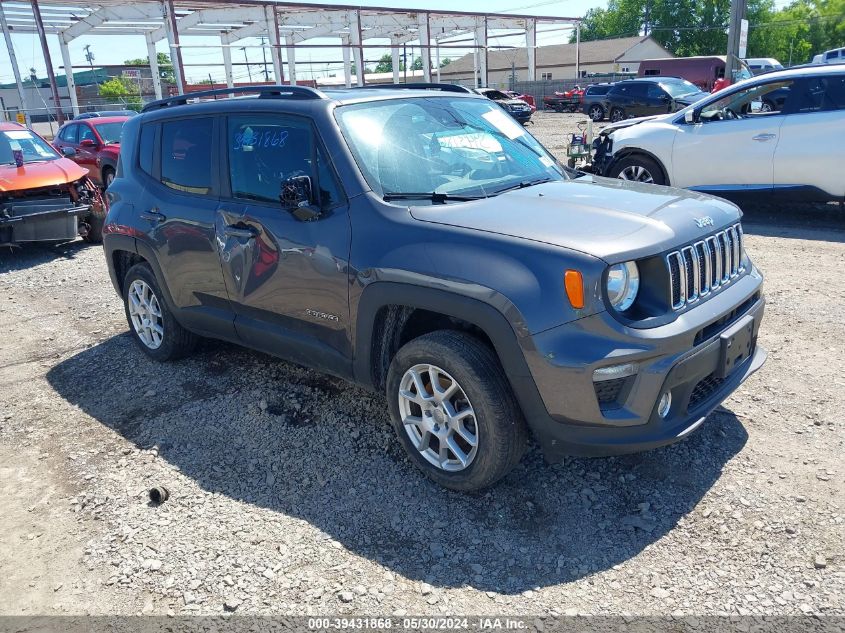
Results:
<point x="108" y="177"/>
<point x="176" y="342"/>
<point x="502" y="436"/>
<point x="631" y="165"/>
<point x="559" y="108"/>
<point x="616" y="115"/>
<point x="95" y="228"/>
<point x="596" y="112"/>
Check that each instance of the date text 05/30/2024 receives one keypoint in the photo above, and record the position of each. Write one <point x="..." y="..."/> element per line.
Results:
<point x="421" y="623"/>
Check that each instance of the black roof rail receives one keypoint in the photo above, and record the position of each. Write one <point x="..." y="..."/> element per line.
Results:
<point x="420" y="86"/>
<point x="293" y="92"/>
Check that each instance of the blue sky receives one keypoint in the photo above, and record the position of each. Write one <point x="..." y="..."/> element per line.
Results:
<point x="111" y="49"/>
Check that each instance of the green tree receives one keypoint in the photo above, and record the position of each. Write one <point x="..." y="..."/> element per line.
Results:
<point x="417" y="65"/>
<point x="385" y="64"/>
<point x="123" y="91"/>
<point x="445" y="62"/>
<point x="165" y="66"/>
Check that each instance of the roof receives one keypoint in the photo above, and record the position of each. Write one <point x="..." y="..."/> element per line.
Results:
<point x="102" y="119"/>
<point x="591" y="52"/>
<point x="10" y="125"/>
<point x="81" y="78"/>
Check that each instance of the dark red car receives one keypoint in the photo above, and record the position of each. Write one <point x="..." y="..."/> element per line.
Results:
<point x="93" y="144"/>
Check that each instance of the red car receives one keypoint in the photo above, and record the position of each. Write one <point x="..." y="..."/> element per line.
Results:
<point x="527" y="98"/>
<point x="93" y="144"/>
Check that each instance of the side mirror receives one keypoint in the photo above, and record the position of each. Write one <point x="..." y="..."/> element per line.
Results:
<point x="88" y="142"/>
<point x="756" y="106"/>
<point x="691" y="116"/>
<point x="297" y="196"/>
<point x="68" y="152"/>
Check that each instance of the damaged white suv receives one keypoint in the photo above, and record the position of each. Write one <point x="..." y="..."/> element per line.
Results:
<point x="781" y="133"/>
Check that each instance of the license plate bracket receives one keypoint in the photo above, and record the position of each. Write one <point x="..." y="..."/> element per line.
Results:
<point x="736" y="346"/>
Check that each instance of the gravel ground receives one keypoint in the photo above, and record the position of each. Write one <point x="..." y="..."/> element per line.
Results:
<point x="289" y="494"/>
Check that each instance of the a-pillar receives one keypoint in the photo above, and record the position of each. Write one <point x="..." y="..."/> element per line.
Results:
<point x="531" y="48"/>
<point x="291" y="53"/>
<point x="155" y="71"/>
<point x="71" y="84"/>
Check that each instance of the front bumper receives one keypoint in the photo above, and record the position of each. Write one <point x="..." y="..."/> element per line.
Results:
<point x="523" y="116"/>
<point x="38" y="223"/>
<point x="675" y="357"/>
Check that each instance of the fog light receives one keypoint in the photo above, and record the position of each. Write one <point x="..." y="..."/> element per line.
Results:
<point x="665" y="404"/>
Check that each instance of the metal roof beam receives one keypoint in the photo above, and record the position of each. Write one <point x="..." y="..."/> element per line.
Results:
<point x="103" y="14"/>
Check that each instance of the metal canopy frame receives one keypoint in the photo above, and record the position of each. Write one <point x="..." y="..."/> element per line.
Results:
<point x="287" y="25"/>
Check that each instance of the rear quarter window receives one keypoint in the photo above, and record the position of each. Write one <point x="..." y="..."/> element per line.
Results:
<point x="186" y="155"/>
<point x="146" y="148"/>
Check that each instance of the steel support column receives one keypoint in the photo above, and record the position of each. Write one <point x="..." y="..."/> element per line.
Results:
<point x="227" y="64"/>
<point x="39" y="24"/>
<point x="531" y="48"/>
<point x="481" y="43"/>
<point x="173" y="41"/>
<point x="71" y="83"/>
<point x="425" y="46"/>
<point x="394" y="59"/>
<point x="275" y="41"/>
<point x="347" y="64"/>
<point x="155" y="70"/>
<point x="357" y="40"/>
<point x="437" y="58"/>
<point x="578" y="51"/>
<point x="14" y="61"/>
<point x="291" y="52"/>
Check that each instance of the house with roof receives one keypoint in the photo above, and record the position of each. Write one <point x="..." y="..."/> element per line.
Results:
<point x="557" y="61"/>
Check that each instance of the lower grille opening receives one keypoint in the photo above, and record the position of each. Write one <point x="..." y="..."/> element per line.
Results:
<point x="733" y="316"/>
<point x="608" y="392"/>
<point x="705" y="388"/>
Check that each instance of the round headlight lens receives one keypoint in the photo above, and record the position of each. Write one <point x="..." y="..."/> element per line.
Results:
<point x="623" y="283"/>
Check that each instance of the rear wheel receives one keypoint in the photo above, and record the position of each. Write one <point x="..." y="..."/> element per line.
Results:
<point x="596" y="112"/>
<point x="151" y="323"/>
<point x="767" y="106"/>
<point x="454" y="412"/>
<point x="616" y="115"/>
<point x="638" y="169"/>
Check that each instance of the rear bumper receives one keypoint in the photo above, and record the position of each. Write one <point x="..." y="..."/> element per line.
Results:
<point x="684" y="358"/>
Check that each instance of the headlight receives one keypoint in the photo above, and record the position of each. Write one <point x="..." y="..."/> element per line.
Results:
<point x="623" y="283"/>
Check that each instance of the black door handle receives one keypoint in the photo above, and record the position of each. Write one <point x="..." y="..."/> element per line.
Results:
<point x="241" y="231"/>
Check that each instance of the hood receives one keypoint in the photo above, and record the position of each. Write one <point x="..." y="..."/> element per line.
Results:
<point x="42" y="174"/>
<point x="607" y="218"/>
<point x="691" y="98"/>
<point x="607" y="129"/>
<point x="111" y="148"/>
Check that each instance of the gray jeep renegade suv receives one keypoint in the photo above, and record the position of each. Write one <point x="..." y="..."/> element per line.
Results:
<point x="422" y="244"/>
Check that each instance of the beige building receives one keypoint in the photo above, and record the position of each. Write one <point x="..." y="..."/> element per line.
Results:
<point x="557" y="61"/>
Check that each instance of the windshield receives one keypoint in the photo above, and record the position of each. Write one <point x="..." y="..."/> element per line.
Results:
<point x="453" y="146"/>
<point x="109" y="132"/>
<point x="679" y="88"/>
<point x="32" y="146"/>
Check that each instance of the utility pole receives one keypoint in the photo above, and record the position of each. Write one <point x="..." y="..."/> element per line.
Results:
<point x="738" y="8"/>
<point x="90" y="57"/>
<point x="39" y="24"/>
<point x="248" y="69"/>
<point x="264" y="56"/>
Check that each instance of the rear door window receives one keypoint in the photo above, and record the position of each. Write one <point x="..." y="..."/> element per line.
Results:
<point x="820" y="94"/>
<point x="186" y="155"/>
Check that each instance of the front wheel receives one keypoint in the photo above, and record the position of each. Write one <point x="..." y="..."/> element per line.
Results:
<point x="454" y="412"/>
<point x="596" y="113"/>
<point x="638" y="169"/>
<point x="151" y="324"/>
<point x="616" y="115"/>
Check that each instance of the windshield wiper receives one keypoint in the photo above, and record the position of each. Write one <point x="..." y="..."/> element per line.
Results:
<point x="522" y="184"/>
<point x="433" y="196"/>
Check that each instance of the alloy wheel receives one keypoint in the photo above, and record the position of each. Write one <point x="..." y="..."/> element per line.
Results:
<point x="636" y="173"/>
<point x="438" y="417"/>
<point x="145" y="314"/>
<point x="596" y="113"/>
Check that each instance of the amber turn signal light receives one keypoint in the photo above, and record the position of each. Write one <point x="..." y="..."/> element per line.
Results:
<point x="574" y="283"/>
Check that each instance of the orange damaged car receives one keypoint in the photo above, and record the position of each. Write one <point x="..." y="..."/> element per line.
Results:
<point x="43" y="195"/>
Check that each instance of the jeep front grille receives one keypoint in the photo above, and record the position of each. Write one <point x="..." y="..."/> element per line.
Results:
<point x="704" y="267"/>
